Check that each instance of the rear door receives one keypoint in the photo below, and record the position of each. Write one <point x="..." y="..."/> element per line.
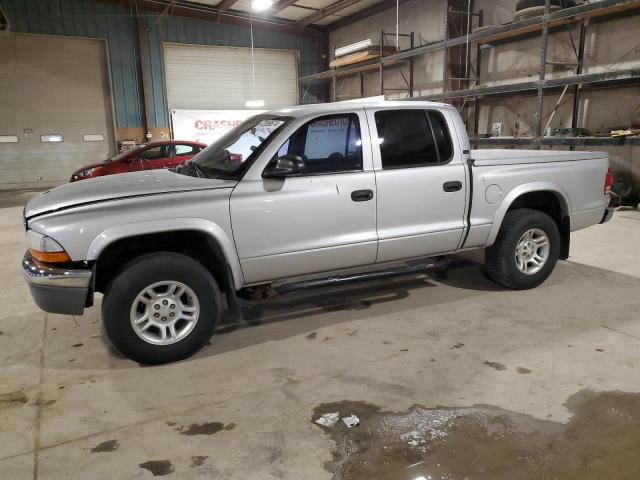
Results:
<point x="420" y="180"/>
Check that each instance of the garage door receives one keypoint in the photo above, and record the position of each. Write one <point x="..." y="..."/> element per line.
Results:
<point x="219" y="78"/>
<point x="55" y="108"/>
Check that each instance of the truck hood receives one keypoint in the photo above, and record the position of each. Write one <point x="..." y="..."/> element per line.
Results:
<point x="114" y="187"/>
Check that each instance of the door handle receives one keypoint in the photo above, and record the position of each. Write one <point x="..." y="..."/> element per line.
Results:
<point x="452" y="186"/>
<point x="361" y="195"/>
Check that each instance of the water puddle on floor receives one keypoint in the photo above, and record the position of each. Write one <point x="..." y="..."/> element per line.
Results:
<point x="601" y="440"/>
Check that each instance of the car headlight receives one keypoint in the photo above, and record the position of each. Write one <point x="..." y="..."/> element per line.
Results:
<point x="45" y="248"/>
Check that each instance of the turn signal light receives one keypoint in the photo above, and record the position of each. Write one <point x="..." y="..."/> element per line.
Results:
<point x="50" y="257"/>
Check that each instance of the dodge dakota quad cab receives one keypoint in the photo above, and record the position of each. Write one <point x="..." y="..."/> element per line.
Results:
<point x="323" y="190"/>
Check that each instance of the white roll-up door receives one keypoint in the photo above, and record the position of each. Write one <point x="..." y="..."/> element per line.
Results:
<point x="55" y="108"/>
<point x="220" y="78"/>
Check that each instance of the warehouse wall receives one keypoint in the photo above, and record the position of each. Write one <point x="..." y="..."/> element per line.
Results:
<point x="423" y="18"/>
<point x="118" y="25"/>
<point x="611" y="44"/>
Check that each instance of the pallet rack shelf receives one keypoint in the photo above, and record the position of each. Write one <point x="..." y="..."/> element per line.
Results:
<point x="549" y="21"/>
<point x="558" y="141"/>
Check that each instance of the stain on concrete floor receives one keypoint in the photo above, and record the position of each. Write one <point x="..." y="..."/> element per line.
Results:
<point x="159" y="468"/>
<point x="17" y="397"/>
<point x="198" y="460"/>
<point x="208" y="428"/>
<point x="601" y="440"/>
<point x="108" y="446"/>
<point x="496" y="365"/>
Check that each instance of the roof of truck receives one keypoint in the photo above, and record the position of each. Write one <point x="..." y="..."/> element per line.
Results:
<point x="373" y="102"/>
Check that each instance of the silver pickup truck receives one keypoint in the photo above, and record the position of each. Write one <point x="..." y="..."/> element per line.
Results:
<point x="300" y="194"/>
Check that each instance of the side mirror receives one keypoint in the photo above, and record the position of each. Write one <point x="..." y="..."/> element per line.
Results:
<point x="284" y="166"/>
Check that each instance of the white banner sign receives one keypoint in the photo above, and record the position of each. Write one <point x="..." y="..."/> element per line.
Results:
<point x="206" y="126"/>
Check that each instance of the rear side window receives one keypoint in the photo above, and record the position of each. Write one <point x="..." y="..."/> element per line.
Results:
<point x="184" y="150"/>
<point x="412" y="138"/>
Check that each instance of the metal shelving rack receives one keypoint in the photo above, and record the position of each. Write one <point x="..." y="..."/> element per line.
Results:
<point x="362" y="67"/>
<point x="580" y="14"/>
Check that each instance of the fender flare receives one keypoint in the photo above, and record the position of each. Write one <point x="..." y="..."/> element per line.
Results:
<point x="119" y="232"/>
<point x="523" y="189"/>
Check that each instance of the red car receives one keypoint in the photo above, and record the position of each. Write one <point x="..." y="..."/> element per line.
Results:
<point x="148" y="156"/>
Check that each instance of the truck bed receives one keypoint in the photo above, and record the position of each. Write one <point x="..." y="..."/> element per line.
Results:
<point x="501" y="156"/>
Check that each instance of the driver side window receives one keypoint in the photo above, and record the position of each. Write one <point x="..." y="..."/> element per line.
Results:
<point x="154" y="153"/>
<point x="329" y="144"/>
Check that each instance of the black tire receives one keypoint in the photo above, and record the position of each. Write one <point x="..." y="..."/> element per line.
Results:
<point x="142" y="272"/>
<point x="500" y="262"/>
<point x="523" y="4"/>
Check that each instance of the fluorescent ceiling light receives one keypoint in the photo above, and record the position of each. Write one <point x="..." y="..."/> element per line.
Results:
<point x="260" y="5"/>
<point x="354" y="47"/>
<point x="254" y="103"/>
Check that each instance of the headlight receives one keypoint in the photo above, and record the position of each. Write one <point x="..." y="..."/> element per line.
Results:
<point x="89" y="171"/>
<point x="45" y="248"/>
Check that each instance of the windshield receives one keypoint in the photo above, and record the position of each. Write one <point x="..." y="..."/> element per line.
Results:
<point x="227" y="156"/>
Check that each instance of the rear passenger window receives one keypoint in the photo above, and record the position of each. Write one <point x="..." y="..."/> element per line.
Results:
<point x="184" y="150"/>
<point x="406" y="138"/>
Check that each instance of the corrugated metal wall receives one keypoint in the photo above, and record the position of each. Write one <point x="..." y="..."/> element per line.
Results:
<point x="88" y="18"/>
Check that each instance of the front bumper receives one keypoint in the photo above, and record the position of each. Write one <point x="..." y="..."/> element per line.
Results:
<point x="608" y="213"/>
<point x="55" y="289"/>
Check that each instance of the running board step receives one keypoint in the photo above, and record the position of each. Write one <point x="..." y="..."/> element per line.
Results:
<point x="430" y="265"/>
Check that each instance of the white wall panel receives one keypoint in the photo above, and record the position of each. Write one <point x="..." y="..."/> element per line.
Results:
<point x="220" y="78"/>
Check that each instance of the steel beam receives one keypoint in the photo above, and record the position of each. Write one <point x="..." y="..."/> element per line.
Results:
<point x="325" y="12"/>
<point x="145" y="69"/>
<point x="619" y="76"/>
<point x="364" y="13"/>
<point x="542" y="69"/>
<point x="199" y="11"/>
<point x="281" y="5"/>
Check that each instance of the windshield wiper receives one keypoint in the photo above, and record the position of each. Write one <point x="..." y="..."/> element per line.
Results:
<point x="187" y="168"/>
<point x="196" y="168"/>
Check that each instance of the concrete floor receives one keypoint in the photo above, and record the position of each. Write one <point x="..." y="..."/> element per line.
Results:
<point x="243" y="407"/>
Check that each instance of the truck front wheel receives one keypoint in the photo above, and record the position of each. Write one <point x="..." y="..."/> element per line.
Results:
<point x="525" y="251"/>
<point x="162" y="307"/>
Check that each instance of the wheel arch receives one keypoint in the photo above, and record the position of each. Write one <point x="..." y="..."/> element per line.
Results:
<point x="546" y="197"/>
<point x="195" y="237"/>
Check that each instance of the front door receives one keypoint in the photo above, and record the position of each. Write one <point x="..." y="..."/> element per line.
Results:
<point x="421" y="183"/>
<point x="320" y="219"/>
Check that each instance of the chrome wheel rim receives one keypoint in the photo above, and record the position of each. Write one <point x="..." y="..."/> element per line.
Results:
<point x="164" y="312"/>
<point x="532" y="251"/>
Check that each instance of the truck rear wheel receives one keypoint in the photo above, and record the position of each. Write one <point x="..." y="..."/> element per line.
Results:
<point x="525" y="251"/>
<point x="162" y="307"/>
